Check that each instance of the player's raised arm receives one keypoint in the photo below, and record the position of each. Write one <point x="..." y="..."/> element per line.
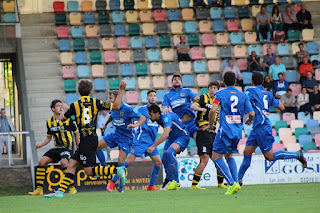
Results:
<point x="196" y="106"/>
<point x="118" y="101"/>
<point x="163" y="137"/>
<point x="141" y="121"/>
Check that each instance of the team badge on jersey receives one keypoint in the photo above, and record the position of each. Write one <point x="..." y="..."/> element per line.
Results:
<point x="121" y="113"/>
<point x="182" y="94"/>
<point x="133" y="150"/>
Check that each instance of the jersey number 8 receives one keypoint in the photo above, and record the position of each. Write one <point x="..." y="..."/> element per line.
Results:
<point x="86" y="115"/>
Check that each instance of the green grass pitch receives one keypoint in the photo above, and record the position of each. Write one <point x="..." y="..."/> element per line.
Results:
<point x="255" y="198"/>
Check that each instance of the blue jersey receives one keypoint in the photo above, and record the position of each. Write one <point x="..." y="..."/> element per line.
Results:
<point x="233" y="105"/>
<point x="122" y="118"/>
<point x="148" y="131"/>
<point x="261" y="100"/>
<point x="180" y="101"/>
<point x="177" y="127"/>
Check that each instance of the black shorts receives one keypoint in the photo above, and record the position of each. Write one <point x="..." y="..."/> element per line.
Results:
<point x="204" y="142"/>
<point x="57" y="154"/>
<point x="86" y="153"/>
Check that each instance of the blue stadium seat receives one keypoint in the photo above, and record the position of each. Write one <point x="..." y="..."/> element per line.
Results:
<point x="77" y="32"/>
<point x="100" y="84"/>
<point x="9" y="17"/>
<point x="72" y="97"/>
<point x="218" y="26"/>
<point x="292" y="76"/>
<point x="269" y="8"/>
<point x="258" y="151"/>
<point x="89" y="18"/>
<point x="303" y="117"/>
<point x="303" y="139"/>
<point x="139" y="56"/>
<point x="184" y="3"/>
<point x="117" y="17"/>
<point x="188" y="81"/>
<point x="247" y="78"/>
<point x="160" y="94"/>
<point x="64" y="45"/>
<point x="229" y="12"/>
<point x="136" y="42"/>
<point x="215" y="13"/>
<point x="283" y="49"/>
<point x="143" y="95"/>
<point x="312" y="48"/>
<point x="315" y="58"/>
<point x="150" y="42"/>
<point x="114" y="5"/>
<point x="120" y="30"/>
<point x="254" y="47"/>
<point x="190" y="27"/>
<point x="153" y="55"/>
<point x="127" y="69"/>
<point x="83" y="71"/>
<point x="276" y="139"/>
<point x="273" y="117"/>
<point x="312" y="123"/>
<point x="103" y="96"/>
<point x="73" y="6"/>
<point x="131" y="83"/>
<point x="173" y="15"/>
<point x="199" y="66"/>
<point x="81" y="58"/>
<point x="236" y="38"/>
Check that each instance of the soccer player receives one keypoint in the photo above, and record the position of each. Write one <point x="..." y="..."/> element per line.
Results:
<point x="261" y="134"/>
<point x="145" y="137"/>
<point x="86" y="110"/>
<point x="123" y="135"/>
<point x="177" y="138"/>
<point x="204" y="138"/>
<point x="63" y="145"/>
<point x="233" y="105"/>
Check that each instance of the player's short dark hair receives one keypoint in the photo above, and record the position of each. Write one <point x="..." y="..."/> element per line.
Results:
<point x="300" y="44"/>
<point x="154" y="108"/>
<point x="54" y="102"/>
<point x="85" y="87"/>
<point x="114" y="92"/>
<point x="289" y="90"/>
<point x="257" y="78"/>
<point x="214" y="83"/>
<point x="151" y="90"/>
<point x="229" y="78"/>
<point x="280" y="73"/>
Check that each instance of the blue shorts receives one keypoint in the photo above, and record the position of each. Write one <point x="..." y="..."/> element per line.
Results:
<point x="262" y="137"/>
<point x="123" y="143"/>
<point x="222" y="144"/>
<point x="139" y="148"/>
<point x="191" y="126"/>
<point x="182" y="141"/>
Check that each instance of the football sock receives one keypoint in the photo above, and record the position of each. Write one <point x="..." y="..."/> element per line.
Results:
<point x="101" y="157"/>
<point x="40" y="175"/>
<point x="103" y="170"/>
<point x="154" y="175"/>
<point x="224" y="170"/>
<point x="67" y="180"/>
<point x="233" y="168"/>
<point x="126" y="164"/>
<point x="244" y="166"/>
<point x="120" y="182"/>
<point x="166" y="165"/>
<point x="196" y="179"/>
<point x="64" y="170"/>
<point x="173" y="163"/>
<point x="281" y="154"/>
<point x="219" y="178"/>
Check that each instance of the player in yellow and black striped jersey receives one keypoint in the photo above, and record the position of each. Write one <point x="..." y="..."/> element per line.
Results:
<point x="63" y="145"/>
<point x="204" y="138"/>
<point x="86" y="111"/>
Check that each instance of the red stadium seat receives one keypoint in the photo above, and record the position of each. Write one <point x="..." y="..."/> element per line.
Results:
<point x="266" y="46"/>
<point x="110" y="57"/>
<point x="170" y="81"/>
<point x="58" y="6"/>
<point x="68" y="72"/>
<point x="159" y="15"/>
<point x="233" y="25"/>
<point x="242" y="64"/>
<point x="132" y="97"/>
<point x="63" y="32"/>
<point x="207" y="39"/>
<point x="123" y="43"/>
<point x="277" y="147"/>
<point x="288" y="117"/>
<point x="296" y="89"/>
<point x="196" y="53"/>
<point x="317" y="140"/>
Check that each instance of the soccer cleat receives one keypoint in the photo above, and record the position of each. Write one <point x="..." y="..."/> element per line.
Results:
<point x="121" y="190"/>
<point x="72" y="190"/>
<point x="165" y="184"/>
<point x="110" y="186"/>
<point x="173" y="185"/>
<point x="37" y="191"/>
<point x="57" y="194"/>
<point x="233" y="189"/>
<point x="196" y="187"/>
<point x="302" y="160"/>
<point x="151" y="188"/>
<point x="121" y="171"/>
<point x="222" y="186"/>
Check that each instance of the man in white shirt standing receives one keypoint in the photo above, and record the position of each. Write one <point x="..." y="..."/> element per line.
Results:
<point x="5" y="127"/>
<point x="232" y="68"/>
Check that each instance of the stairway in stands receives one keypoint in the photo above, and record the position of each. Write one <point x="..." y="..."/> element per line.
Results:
<point x="43" y="81"/>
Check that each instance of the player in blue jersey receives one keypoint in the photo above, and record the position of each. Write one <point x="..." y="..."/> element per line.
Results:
<point x="233" y="105"/>
<point x="145" y="137"/>
<point x="177" y="138"/>
<point x="122" y="137"/>
<point x="261" y="134"/>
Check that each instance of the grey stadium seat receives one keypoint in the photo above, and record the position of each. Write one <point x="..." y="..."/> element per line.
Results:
<point x="139" y="56"/>
<point x="93" y="44"/>
<point x="112" y="70"/>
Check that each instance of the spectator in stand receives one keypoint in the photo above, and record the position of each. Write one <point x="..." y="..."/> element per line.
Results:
<point x="102" y="119"/>
<point x="280" y="86"/>
<point x="304" y="18"/>
<point x="263" y="24"/>
<point x="235" y="69"/>
<point x="289" y="20"/>
<point x="289" y="102"/>
<point x="303" y="101"/>
<point x="304" y="68"/>
<point x="6" y="126"/>
<point x="183" y="50"/>
<point x="315" y="99"/>
<point x="301" y="54"/>
<point x="309" y="82"/>
<point x="253" y="62"/>
<point x="267" y="84"/>
<point x="199" y="4"/>
<point x="276" y="19"/>
<point x="277" y="68"/>
<point x="268" y="59"/>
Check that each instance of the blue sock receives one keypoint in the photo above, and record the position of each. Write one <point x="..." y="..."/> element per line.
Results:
<point x="154" y="175"/>
<point x="101" y="157"/>
<point x="166" y="165"/>
<point x="244" y="166"/>
<point x="233" y="168"/>
<point x="224" y="170"/>
<point x="173" y="163"/>
<point x="126" y="164"/>
<point x="281" y="154"/>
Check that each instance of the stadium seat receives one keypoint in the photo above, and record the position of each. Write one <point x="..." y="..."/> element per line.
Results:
<point x="314" y="131"/>
<point x="170" y="68"/>
<point x="203" y="91"/>
<point x="218" y="26"/>
<point x="214" y="66"/>
<point x="317" y="139"/>
<point x="60" y="18"/>
<point x="292" y="76"/>
<point x="150" y="42"/>
<point x="148" y="29"/>
<point x="196" y="53"/>
<point x="184" y="3"/>
<point x="153" y="55"/>
<point x="107" y="43"/>
<point x="173" y="15"/>
<point x="62" y="32"/>
<point x="293" y="147"/>
<point x="247" y="25"/>
<point x="286" y="139"/>
<point x="185" y="67"/>
<point x="170" y="4"/>
<point x="158" y="82"/>
<point x="145" y="16"/>
<point x="112" y="70"/>
<point x="229" y="12"/>
<point x="105" y="30"/>
<point x="101" y="5"/>
<point x="100" y="84"/>
<point x="139" y="56"/>
<point x="87" y="6"/>
<point x="216" y="77"/>
<point x="142" y="4"/>
<point x="243" y="12"/>
<point x="128" y="4"/>
<point x="91" y="31"/>
<point x="141" y="69"/>
<point x="288" y="117"/>
<point x="95" y="57"/>
<point x="68" y="72"/>
<point x="247" y="78"/>
<point x="280" y="124"/>
<point x="295" y="47"/>
<point x="77" y="32"/>
<point x="188" y="81"/>
<point x="117" y="17"/>
<point x="266" y="46"/>
<point x="81" y="58"/>
<point x="315" y="59"/>
<point x="187" y="14"/>
<point x="72" y="97"/>
<point x="119" y="30"/>
<point x="313" y="48"/>
<point x="312" y="123"/>
<point x="122" y="43"/>
<point x="225" y="51"/>
<point x="307" y="34"/>
<point x="136" y="42"/>
<point x="310" y="147"/>
<point x="134" y="29"/>
<point x="159" y="15"/>
<point x="207" y="39"/>
<point x="114" y="5"/>
<point x="211" y="52"/>
<point x="64" y="45"/>
<point x="98" y="71"/>
<point x="125" y="56"/>
<point x="83" y="71"/>
<point x="162" y="28"/>
<point x="114" y="83"/>
<point x="143" y="95"/>
<point x="58" y="6"/>
<point x="205" y="26"/>
<point x="285" y="132"/>
<point x="190" y="27"/>
<point x="255" y="10"/>
<point x="236" y="38"/>
<point x="156" y="4"/>
<point x="160" y="94"/>
<point x="131" y="83"/>
<point x="215" y="13"/>
<point x="277" y="147"/>
<point x="103" y="17"/>
<point x="283" y="49"/>
<point x="165" y="41"/>
<point x="93" y="44"/>
<point x="316" y="115"/>
<point x="70" y="85"/>
<point x="296" y="124"/>
<point x="202" y="80"/>
<point x="176" y="27"/>
<point x="127" y="69"/>
<point x="199" y="66"/>
<point x="222" y="38"/>
<point x="293" y="35"/>
<point x="288" y="62"/>
<point x="296" y="89"/>
<point x="255" y="48"/>
<point x="273" y="117"/>
<point x="240" y="51"/>
<point x="132" y="16"/>
<point x="132" y="97"/>
<point x="250" y="37"/>
<point x="89" y="18"/>
<point x="110" y="57"/>
<point x="144" y="82"/>
<point x="233" y="25"/>
<point x="201" y="13"/>
<point x="303" y="117"/>
<point x="156" y="68"/>
<point x="300" y="131"/>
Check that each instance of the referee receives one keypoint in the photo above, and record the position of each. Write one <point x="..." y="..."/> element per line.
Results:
<point x="205" y="139"/>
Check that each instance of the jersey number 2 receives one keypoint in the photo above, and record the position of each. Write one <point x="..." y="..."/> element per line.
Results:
<point x="86" y="115"/>
<point x="235" y="101"/>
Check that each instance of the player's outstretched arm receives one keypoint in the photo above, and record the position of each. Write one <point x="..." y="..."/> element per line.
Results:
<point x="195" y="107"/>
<point x="141" y="121"/>
<point x="165" y="110"/>
<point x="45" y="142"/>
<point x="280" y="106"/>
<point x="118" y="101"/>
<point x="163" y="137"/>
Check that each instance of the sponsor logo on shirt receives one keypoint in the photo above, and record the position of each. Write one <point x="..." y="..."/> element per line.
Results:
<point x="119" y="122"/>
<point x="233" y="119"/>
<point x="178" y="102"/>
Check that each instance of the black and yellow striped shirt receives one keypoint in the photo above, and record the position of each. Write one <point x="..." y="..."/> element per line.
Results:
<point x="205" y="101"/>
<point x="61" y="132"/>
<point x="86" y="111"/>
